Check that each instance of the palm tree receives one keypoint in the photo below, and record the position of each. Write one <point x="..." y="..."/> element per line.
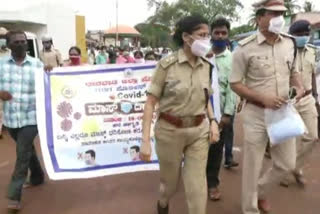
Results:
<point x="308" y="6"/>
<point x="292" y="6"/>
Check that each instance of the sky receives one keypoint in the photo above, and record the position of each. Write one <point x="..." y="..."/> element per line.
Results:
<point x="101" y="14"/>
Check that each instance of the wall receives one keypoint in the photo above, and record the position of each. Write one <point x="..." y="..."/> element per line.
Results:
<point x="43" y="17"/>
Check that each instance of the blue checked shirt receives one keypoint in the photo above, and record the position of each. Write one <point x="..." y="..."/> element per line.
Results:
<point x="19" y="81"/>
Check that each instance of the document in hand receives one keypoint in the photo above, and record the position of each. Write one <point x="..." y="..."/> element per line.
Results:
<point x="283" y="124"/>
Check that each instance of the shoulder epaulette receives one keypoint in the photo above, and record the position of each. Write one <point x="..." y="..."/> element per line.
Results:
<point x="286" y="35"/>
<point x="245" y="41"/>
<point x="169" y="60"/>
<point x="311" y="46"/>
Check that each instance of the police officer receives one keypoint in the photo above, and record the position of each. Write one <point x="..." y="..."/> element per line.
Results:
<point x="50" y="56"/>
<point x="181" y="86"/>
<point x="307" y="106"/>
<point x="263" y="70"/>
<point x="4" y="50"/>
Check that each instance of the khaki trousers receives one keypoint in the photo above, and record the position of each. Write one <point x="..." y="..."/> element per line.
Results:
<point x="255" y="142"/>
<point x="183" y="150"/>
<point x="308" y="111"/>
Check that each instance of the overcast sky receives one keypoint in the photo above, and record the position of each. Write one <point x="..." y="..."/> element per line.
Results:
<point x="101" y="14"/>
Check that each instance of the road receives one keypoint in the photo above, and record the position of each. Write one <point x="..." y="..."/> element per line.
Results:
<point x="136" y="193"/>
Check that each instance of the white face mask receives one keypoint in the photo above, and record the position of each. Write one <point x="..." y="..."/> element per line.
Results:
<point x="276" y="24"/>
<point x="200" y="47"/>
<point x="141" y="60"/>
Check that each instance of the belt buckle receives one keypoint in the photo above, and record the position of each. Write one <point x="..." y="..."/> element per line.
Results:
<point x="187" y="122"/>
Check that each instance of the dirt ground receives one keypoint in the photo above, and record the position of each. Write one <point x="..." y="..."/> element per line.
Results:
<point x="136" y="193"/>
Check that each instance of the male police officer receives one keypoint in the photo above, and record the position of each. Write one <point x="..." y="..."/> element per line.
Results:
<point x="263" y="70"/>
<point x="306" y="59"/>
<point x="50" y="56"/>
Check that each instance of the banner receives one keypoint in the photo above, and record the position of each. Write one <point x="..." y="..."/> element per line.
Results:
<point x="90" y="120"/>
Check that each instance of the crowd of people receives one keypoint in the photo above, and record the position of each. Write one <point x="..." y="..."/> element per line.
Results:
<point x="196" y="90"/>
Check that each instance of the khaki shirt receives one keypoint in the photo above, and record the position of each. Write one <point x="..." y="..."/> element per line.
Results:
<point x="179" y="86"/>
<point x="52" y="58"/>
<point x="264" y="68"/>
<point x="3" y="53"/>
<point x="307" y="65"/>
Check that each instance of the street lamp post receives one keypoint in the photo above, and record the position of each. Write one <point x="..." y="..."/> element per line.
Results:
<point x="117" y="30"/>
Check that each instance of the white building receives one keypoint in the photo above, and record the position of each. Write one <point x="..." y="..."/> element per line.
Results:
<point x="42" y="17"/>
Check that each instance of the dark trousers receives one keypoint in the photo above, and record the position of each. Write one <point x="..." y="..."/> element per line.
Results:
<point x="26" y="159"/>
<point x="216" y="153"/>
<point x="228" y="142"/>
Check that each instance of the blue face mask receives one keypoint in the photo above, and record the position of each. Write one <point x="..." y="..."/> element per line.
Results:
<point x="301" y="41"/>
<point x="221" y="44"/>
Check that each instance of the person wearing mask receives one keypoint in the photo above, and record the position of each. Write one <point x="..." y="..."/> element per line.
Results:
<point x="74" y="56"/>
<point x="112" y="57"/>
<point x="222" y="57"/>
<point x="164" y="53"/>
<point x="306" y="107"/>
<point x="127" y="57"/>
<point x="181" y="87"/>
<point x="263" y="70"/>
<point x="102" y="57"/>
<point x="92" y="56"/>
<point x="138" y="57"/>
<point x="20" y="113"/>
<point x="49" y="55"/>
<point x="4" y="51"/>
<point x="150" y="57"/>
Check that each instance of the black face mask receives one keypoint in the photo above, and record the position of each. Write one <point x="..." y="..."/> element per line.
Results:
<point x="19" y="50"/>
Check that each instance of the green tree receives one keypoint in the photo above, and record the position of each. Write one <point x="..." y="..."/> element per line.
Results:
<point x="168" y="14"/>
<point x="308" y="6"/>
<point x="292" y="7"/>
<point x="154" y="35"/>
<point x="241" y="29"/>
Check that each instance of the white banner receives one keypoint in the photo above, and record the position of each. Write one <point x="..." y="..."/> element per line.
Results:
<point x="90" y="120"/>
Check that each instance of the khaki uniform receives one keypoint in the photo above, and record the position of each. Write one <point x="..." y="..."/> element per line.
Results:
<point x="180" y="90"/>
<point x="306" y="107"/>
<point x="265" y="69"/>
<point x="51" y="58"/>
<point x="3" y="53"/>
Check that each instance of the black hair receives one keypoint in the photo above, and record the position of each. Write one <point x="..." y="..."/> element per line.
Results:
<point x="137" y="148"/>
<point x="220" y="22"/>
<point x="188" y="25"/>
<point x="92" y="153"/>
<point x="138" y="52"/>
<point x="76" y="49"/>
<point x="261" y="12"/>
<point x="149" y="53"/>
<point x="14" y="32"/>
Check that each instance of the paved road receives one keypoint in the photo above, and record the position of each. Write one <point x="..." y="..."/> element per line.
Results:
<point x="137" y="193"/>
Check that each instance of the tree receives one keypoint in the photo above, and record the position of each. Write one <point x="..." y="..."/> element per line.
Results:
<point x="308" y="6"/>
<point x="241" y="29"/>
<point x="154" y="35"/>
<point x="168" y="14"/>
<point x="292" y="7"/>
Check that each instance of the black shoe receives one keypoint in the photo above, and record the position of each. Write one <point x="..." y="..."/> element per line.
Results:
<point x="162" y="210"/>
<point x="231" y="164"/>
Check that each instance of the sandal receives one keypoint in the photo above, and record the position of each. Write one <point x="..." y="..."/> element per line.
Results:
<point x="14" y="205"/>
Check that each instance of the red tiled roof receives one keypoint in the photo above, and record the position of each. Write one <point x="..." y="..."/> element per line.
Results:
<point x="122" y="29"/>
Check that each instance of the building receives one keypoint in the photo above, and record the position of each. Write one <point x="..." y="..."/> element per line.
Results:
<point x="126" y="36"/>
